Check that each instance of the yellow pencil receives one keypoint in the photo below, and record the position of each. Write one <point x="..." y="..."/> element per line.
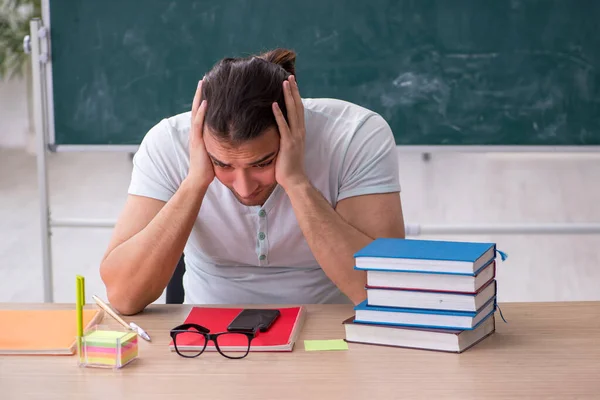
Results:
<point x="80" y="283"/>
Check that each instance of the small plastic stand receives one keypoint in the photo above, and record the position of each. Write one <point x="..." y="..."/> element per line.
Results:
<point x="104" y="347"/>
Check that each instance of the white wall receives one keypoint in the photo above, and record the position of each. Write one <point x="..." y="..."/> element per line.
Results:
<point x="13" y="114"/>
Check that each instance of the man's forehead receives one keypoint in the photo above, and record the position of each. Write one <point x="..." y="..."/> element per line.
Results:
<point x="269" y="137"/>
<point x="257" y="148"/>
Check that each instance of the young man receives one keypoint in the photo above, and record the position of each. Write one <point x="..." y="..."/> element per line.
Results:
<point x="301" y="185"/>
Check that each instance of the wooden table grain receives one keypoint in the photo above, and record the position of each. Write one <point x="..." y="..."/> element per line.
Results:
<point x="546" y="350"/>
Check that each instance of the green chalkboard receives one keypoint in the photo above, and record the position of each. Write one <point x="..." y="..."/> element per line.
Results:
<point x="442" y="72"/>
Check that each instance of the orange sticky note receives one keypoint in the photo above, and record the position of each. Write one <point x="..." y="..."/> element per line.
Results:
<point x="42" y="331"/>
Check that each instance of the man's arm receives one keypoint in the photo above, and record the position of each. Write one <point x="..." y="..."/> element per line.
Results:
<point x="147" y="242"/>
<point x="151" y="234"/>
<point x="335" y="235"/>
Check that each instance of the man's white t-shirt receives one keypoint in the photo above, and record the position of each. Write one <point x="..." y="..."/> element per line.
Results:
<point x="238" y="254"/>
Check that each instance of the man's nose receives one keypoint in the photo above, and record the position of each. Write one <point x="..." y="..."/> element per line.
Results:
<point x="243" y="185"/>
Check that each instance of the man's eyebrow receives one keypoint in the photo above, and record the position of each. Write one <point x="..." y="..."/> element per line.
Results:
<point x="217" y="161"/>
<point x="261" y="160"/>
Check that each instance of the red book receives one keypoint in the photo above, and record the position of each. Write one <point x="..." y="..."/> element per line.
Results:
<point x="281" y="336"/>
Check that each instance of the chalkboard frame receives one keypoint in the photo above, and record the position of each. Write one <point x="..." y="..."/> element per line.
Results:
<point x="48" y="103"/>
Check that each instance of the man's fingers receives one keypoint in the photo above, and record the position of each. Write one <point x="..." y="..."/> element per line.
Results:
<point x="290" y="105"/>
<point x="199" y="117"/>
<point x="197" y="99"/>
<point x="198" y="124"/>
<point x="195" y="105"/>
<point x="297" y="99"/>
<point x="284" y="130"/>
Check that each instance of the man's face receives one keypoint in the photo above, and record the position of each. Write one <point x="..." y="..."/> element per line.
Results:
<point x="248" y="169"/>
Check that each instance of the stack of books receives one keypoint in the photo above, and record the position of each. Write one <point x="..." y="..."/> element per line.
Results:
<point x="425" y="294"/>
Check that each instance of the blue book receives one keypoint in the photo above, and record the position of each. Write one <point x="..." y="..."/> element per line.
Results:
<point x="432" y="256"/>
<point x="423" y="318"/>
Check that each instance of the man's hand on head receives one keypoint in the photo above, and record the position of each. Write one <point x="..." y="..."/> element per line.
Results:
<point x="201" y="172"/>
<point x="289" y="167"/>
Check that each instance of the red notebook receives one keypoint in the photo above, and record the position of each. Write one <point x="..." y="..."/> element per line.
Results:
<point x="281" y="336"/>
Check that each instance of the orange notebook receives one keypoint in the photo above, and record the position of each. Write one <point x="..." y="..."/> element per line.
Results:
<point x="49" y="332"/>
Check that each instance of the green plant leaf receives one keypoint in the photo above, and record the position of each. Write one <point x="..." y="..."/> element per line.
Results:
<point x="14" y="26"/>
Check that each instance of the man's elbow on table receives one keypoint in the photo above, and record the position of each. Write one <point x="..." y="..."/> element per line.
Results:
<point x="121" y="296"/>
<point x="122" y="302"/>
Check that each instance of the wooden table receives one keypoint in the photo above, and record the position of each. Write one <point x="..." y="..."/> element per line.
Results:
<point x="546" y="350"/>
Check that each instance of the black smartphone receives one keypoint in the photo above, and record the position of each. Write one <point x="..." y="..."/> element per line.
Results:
<point x="251" y="320"/>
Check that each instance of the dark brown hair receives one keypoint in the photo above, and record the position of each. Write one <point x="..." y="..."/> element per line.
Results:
<point x="240" y="91"/>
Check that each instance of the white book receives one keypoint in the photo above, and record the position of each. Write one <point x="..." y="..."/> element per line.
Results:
<point x="432" y="281"/>
<point x="404" y="298"/>
<point x="427" y="339"/>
